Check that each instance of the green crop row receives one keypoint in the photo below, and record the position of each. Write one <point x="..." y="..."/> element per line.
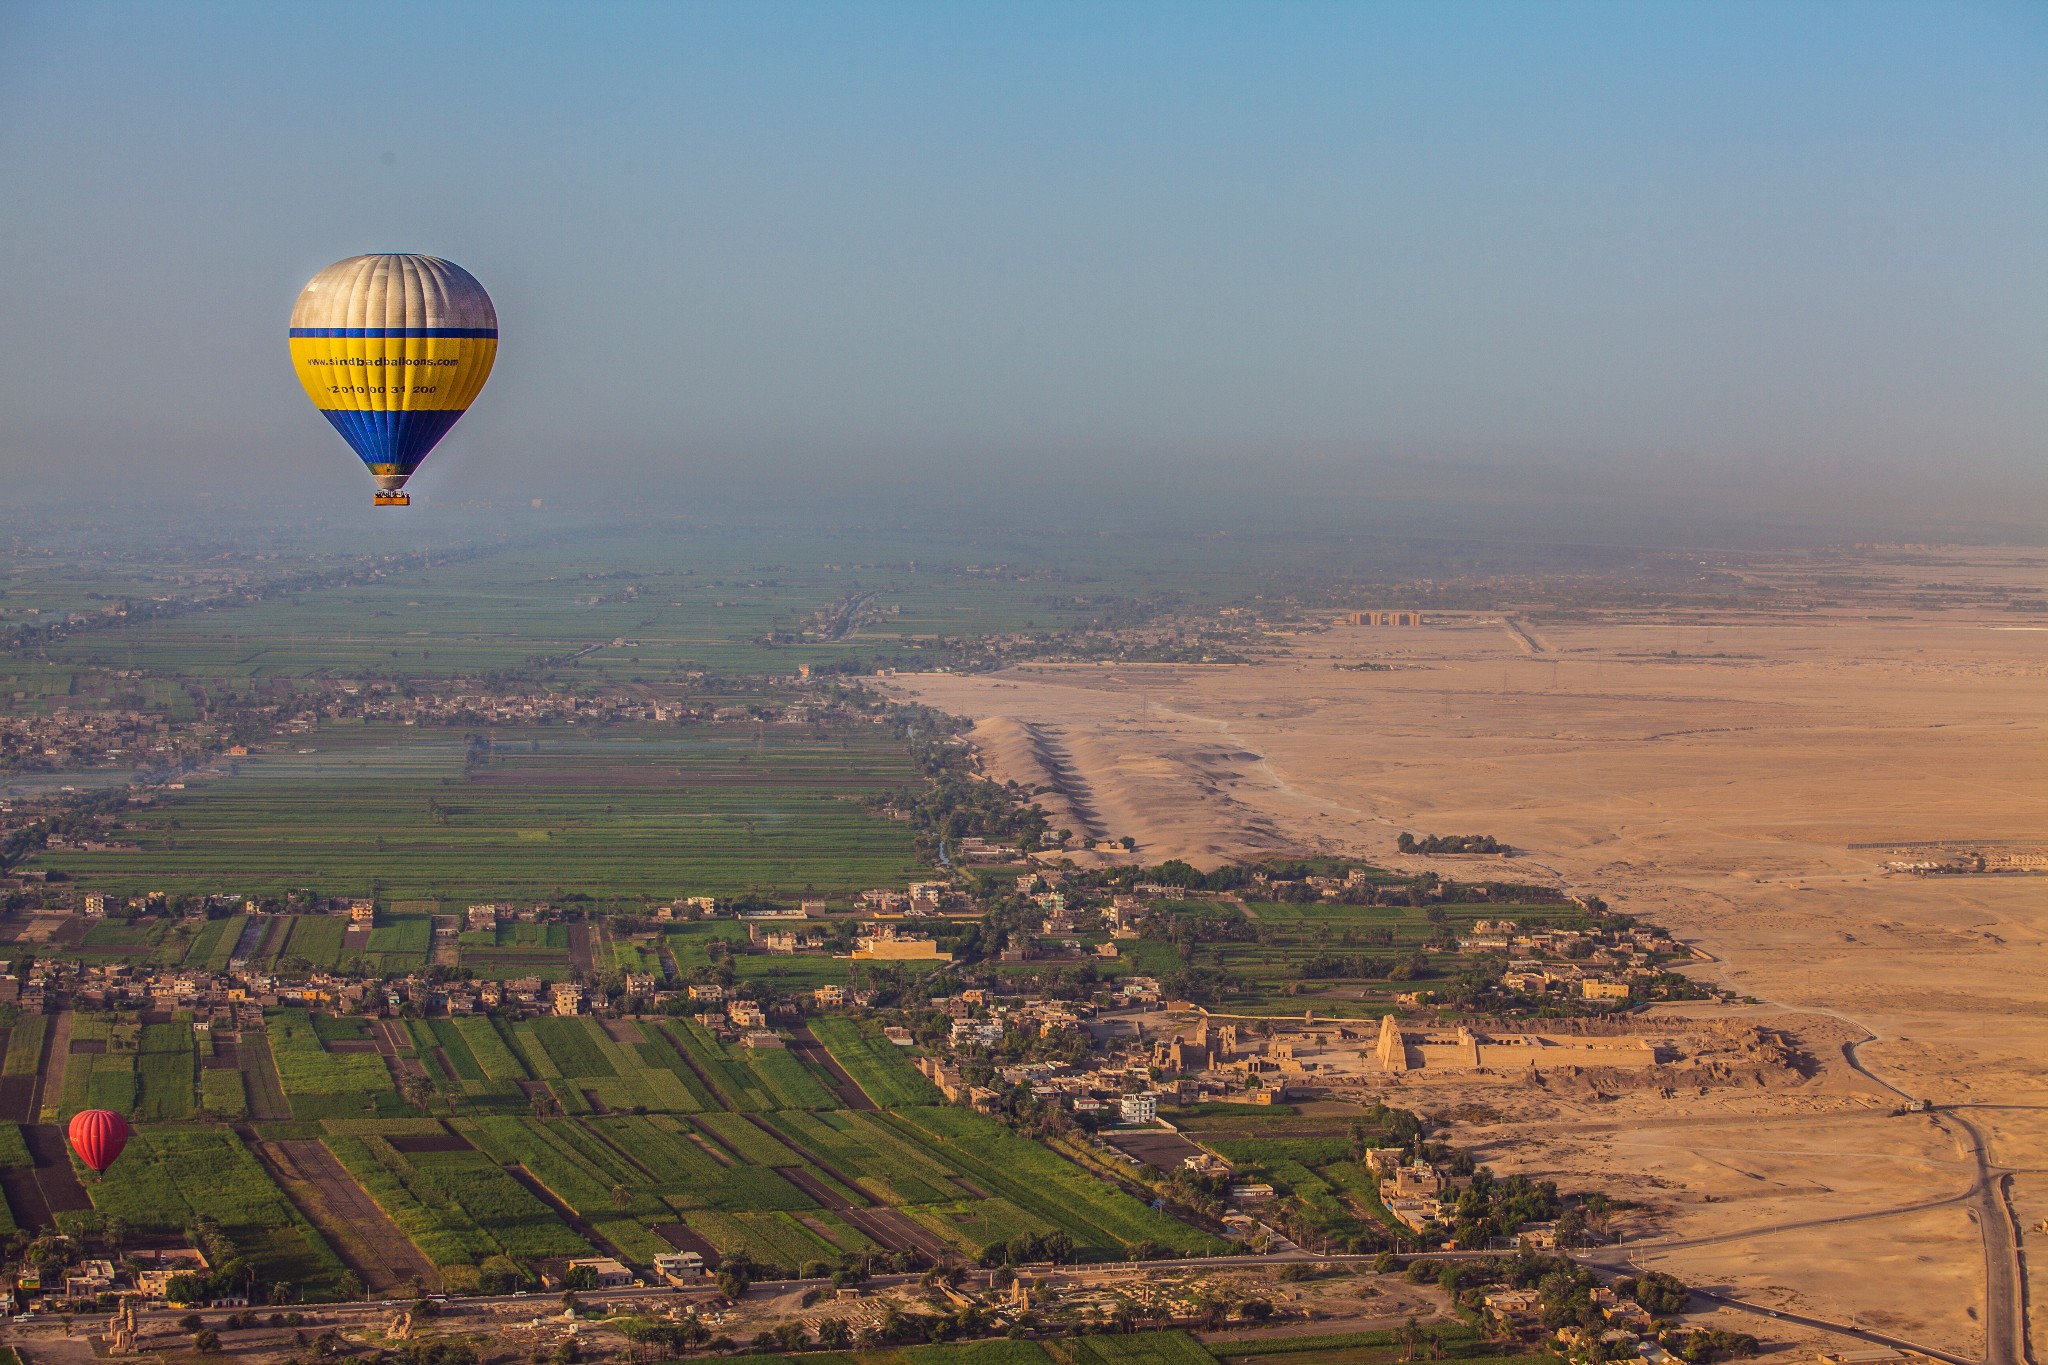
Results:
<point x="972" y="1224"/>
<point x="165" y="1070"/>
<point x="518" y="1221"/>
<point x="792" y="1084"/>
<point x="775" y="1238"/>
<point x="658" y="1053"/>
<point x="167" y="1177"/>
<point x="323" y="1084"/>
<point x="221" y="1093"/>
<point x="455" y="1046"/>
<point x="441" y="1228"/>
<point x="752" y="1146"/>
<point x="571" y="1047"/>
<point x="25" y="1045"/>
<point x="886" y="1168"/>
<point x="1149" y="1348"/>
<point x="199" y="953"/>
<point x="575" y="1166"/>
<point x="673" y="1158"/>
<point x="737" y="1087"/>
<point x="316" y="938"/>
<point x="488" y="1046"/>
<point x="877" y="1065"/>
<point x="1044" y="1183"/>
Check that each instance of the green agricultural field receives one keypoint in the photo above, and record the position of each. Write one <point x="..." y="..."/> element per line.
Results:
<point x="1343" y="961"/>
<point x="321" y="1083"/>
<point x="440" y="1227"/>
<point x="635" y="811"/>
<point x="657" y="1053"/>
<point x="640" y="601"/>
<point x="167" y="1072"/>
<point x="518" y="1223"/>
<point x="885" y="1167"/>
<point x="733" y="1085"/>
<point x="221" y="1094"/>
<point x="879" y="1067"/>
<point x="398" y="944"/>
<point x="97" y="1080"/>
<point x="690" y="944"/>
<point x="488" y="1046"/>
<point x="1149" y="1348"/>
<point x="794" y="973"/>
<point x="1103" y="1220"/>
<point x="974" y="1224"/>
<point x="775" y="1238"/>
<point x="167" y="1177"/>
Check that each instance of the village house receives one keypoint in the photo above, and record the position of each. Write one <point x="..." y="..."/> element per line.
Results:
<point x="607" y="1272"/>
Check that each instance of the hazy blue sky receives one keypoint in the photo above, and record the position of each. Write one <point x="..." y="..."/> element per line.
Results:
<point x="1796" y="252"/>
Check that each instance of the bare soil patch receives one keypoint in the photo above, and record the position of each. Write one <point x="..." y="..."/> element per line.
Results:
<point x="365" y="1238"/>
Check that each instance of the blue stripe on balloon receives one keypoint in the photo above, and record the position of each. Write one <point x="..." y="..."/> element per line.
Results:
<point x="394" y="438"/>
<point x="488" y="332"/>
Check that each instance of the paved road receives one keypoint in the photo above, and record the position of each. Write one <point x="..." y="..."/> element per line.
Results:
<point x="2005" y="1290"/>
<point x="1609" y="1259"/>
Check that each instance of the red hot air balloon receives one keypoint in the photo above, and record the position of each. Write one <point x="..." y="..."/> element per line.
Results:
<point x="98" y="1135"/>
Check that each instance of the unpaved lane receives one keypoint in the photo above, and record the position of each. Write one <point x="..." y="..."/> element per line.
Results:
<point x="361" y="1233"/>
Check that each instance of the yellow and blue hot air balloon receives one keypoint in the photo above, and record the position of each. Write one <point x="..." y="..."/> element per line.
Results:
<point x="393" y="349"/>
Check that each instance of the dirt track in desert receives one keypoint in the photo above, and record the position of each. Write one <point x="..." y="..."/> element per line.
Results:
<point x="1710" y="771"/>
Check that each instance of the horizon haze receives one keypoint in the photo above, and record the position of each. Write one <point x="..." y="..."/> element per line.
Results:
<point x="1734" y="272"/>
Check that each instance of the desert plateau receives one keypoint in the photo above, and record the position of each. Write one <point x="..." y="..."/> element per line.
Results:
<point x="1743" y="775"/>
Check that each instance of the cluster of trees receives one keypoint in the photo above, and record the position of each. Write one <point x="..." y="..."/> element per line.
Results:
<point x="1490" y="1207"/>
<point x="1656" y="1292"/>
<point x="957" y="802"/>
<point x="1056" y="1246"/>
<point x="1450" y="843"/>
<point x="232" y="1273"/>
<point x="1326" y="965"/>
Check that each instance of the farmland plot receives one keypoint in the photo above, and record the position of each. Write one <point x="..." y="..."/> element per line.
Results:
<point x="877" y="1066"/>
<point x="327" y="1084"/>
<point x="166" y="1071"/>
<point x="1101" y="1218"/>
<point x="167" y="1177"/>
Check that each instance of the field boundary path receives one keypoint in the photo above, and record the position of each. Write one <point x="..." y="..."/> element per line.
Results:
<point x="50" y="1069"/>
<point x="582" y="950"/>
<point x="893" y="1229"/>
<point x="390" y="1038"/>
<point x="260" y="1079"/>
<point x="578" y="1224"/>
<point x="253" y="936"/>
<point x="447" y="950"/>
<point x="37" y="1193"/>
<point x="807" y="1048"/>
<point x="360" y="1232"/>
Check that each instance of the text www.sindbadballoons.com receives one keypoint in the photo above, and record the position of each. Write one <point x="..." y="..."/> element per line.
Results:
<point x="376" y="361"/>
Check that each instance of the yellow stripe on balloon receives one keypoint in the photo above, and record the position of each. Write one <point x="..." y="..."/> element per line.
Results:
<point x="393" y="374"/>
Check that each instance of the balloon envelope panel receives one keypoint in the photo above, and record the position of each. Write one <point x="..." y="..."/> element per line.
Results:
<point x="98" y="1135"/>
<point x="392" y="349"/>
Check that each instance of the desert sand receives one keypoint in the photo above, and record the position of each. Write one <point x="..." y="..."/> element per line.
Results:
<point x="1709" y="770"/>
